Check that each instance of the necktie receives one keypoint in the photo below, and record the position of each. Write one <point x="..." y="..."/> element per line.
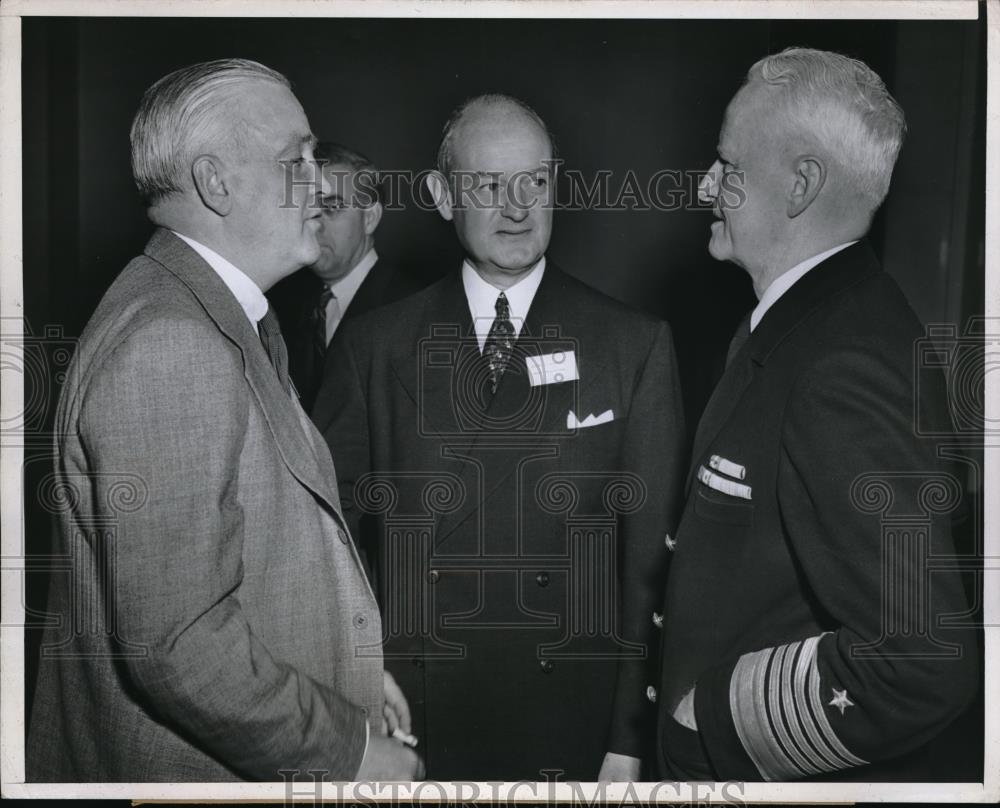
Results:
<point x="739" y="338"/>
<point x="333" y="316"/>
<point x="319" y="324"/>
<point x="274" y="345"/>
<point x="500" y="341"/>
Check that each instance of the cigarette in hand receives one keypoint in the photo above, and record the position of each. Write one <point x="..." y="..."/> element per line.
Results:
<point x="402" y="737"/>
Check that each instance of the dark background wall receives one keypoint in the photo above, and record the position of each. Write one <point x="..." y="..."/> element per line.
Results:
<point x="639" y="95"/>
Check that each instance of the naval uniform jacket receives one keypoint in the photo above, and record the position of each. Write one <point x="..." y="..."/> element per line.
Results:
<point x="519" y="556"/>
<point x="801" y="603"/>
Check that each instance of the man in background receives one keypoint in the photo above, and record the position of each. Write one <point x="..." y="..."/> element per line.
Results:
<point x="804" y="633"/>
<point x="215" y="622"/>
<point x="348" y="279"/>
<point x="509" y="443"/>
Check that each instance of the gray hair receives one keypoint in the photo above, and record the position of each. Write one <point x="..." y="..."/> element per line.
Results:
<point x="178" y="114"/>
<point x="445" y="155"/>
<point x="845" y="104"/>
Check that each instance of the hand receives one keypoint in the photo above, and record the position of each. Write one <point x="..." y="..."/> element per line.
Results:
<point x="396" y="711"/>
<point x="386" y="759"/>
<point x="684" y="712"/>
<point x="619" y="769"/>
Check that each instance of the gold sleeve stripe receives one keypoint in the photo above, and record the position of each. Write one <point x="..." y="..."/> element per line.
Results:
<point x="824" y="724"/>
<point x="778" y="714"/>
<point x="807" y="661"/>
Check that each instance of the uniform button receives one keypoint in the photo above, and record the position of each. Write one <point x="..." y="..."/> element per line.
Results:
<point x="651" y="694"/>
<point x="657" y="620"/>
<point x="546" y="665"/>
<point x="671" y="544"/>
<point x="342" y="535"/>
<point x="542" y="579"/>
<point x="360" y="621"/>
<point x="433" y="576"/>
<point x="417" y="662"/>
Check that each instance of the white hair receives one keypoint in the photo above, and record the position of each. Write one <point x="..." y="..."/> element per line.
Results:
<point x="845" y="105"/>
<point x="182" y="112"/>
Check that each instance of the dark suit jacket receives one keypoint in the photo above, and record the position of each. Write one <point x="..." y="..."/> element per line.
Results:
<point x="804" y="611"/>
<point x="519" y="560"/>
<point x="214" y="621"/>
<point x="294" y="300"/>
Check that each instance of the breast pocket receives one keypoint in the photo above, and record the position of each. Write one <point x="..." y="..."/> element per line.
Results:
<point x="721" y="508"/>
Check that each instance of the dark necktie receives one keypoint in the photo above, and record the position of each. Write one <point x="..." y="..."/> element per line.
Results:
<point x="500" y="341"/>
<point x="739" y="338"/>
<point x="319" y="325"/>
<point x="270" y="336"/>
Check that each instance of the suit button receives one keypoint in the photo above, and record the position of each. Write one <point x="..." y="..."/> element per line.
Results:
<point x="657" y="620"/>
<point x="360" y="621"/>
<point x="342" y="535"/>
<point x="542" y="579"/>
<point x="417" y="662"/>
<point x="433" y="576"/>
<point x="546" y="665"/>
<point x="651" y="694"/>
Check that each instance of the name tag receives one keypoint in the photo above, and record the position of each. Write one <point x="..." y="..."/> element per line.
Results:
<point x="552" y="368"/>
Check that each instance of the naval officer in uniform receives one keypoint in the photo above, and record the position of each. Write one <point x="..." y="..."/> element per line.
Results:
<point x="802" y="636"/>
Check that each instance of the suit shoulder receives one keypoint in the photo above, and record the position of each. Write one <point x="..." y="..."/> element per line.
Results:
<point x="611" y="313"/>
<point x="873" y="312"/>
<point x="147" y="309"/>
<point x="394" y="317"/>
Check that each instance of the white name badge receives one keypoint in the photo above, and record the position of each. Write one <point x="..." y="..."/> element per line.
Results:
<point x="552" y="368"/>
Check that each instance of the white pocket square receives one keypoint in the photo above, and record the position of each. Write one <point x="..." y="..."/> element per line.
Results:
<point x="572" y="422"/>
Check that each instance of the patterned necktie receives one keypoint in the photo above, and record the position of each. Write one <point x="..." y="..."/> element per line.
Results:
<point x="500" y="341"/>
<point x="270" y="336"/>
<point x="319" y="324"/>
<point x="739" y="338"/>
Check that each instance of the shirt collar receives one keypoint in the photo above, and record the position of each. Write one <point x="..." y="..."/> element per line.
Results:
<point x="347" y="287"/>
<point x="246" y="292"/>
<point x="786" y="280"/>
<point x="482" y="298"/>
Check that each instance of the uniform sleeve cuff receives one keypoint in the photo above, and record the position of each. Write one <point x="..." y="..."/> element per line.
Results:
<point x="718" y="732"/>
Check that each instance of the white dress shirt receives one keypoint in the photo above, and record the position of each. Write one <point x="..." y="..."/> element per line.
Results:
<point x="246" y="292"/>
<point x="482" y="298"/>
<point x="786" y="280"/>
<point x="344" y="291"/>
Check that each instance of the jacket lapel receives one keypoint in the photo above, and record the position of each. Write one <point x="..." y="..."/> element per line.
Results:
<point x="518" y="417"/>
<point x="814" y="290"/>
<point x="297" y="451"/>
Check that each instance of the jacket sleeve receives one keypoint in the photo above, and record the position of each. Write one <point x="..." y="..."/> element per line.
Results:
<point x="171" y="405"/>
<point x="655" y="451"/>
<point x="864" y="504"/>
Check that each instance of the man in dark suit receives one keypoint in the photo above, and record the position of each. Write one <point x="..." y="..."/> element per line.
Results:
<point x="509" y="442"/>
<point x="214" y="621"/>
<point x="348" y="279"/>
<point x="805" y="632"/>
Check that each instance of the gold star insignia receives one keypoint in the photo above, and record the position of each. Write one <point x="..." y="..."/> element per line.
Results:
<point x="840" y="700"/>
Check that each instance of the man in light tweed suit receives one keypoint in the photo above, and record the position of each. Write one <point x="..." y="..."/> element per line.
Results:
<point x="215" y="622"/>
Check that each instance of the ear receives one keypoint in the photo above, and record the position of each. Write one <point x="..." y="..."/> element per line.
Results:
<point x="440" y="193"/>
<point x="810" y="175"/>
<point x="373" y="215"/>
<point x="209" y="182"/>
